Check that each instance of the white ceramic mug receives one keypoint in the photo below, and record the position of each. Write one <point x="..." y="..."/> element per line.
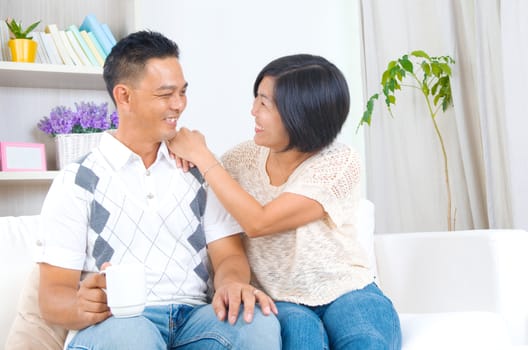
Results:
<point x="125" y="289"/>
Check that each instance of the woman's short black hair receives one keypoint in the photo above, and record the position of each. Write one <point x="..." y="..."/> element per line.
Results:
<point x="312" y="97"/>
<point x="128" y="57"/>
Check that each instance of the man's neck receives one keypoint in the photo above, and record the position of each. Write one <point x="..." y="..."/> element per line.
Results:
<point x="146" y="149"/>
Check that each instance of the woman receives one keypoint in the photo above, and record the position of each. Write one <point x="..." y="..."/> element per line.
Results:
<point x="294" y="190"/>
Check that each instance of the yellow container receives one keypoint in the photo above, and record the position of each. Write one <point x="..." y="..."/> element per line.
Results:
<point x="23" y="50"/>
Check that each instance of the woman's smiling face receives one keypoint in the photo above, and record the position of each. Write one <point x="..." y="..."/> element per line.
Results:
<point x="269" y="128"/>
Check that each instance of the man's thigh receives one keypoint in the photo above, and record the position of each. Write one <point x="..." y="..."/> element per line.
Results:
<point x="119" y="333"/>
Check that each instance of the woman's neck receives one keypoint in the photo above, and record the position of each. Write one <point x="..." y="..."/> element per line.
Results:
<point x="280" y="165"/>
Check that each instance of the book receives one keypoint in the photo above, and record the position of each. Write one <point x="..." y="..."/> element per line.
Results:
<point x="5" y="53"/>
<point x="92" y="25"/>
<point x="93" y="48"/>
<point x="77" y="49"/>
<point x="73" y="56"/>
<point x="42" y="56"/>
<point x="97" y="45"/>
<point x="109" y="35"/>
<point x="51" y="48"/>
<point x="63" y="52"/>
<point x="84" y="46"/>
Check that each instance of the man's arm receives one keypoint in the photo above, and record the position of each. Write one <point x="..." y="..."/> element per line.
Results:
<point x="231" y="281"/>
<point x="66" y="302"/>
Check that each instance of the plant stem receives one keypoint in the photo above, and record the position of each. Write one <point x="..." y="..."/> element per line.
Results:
<point x="446" y="168"/>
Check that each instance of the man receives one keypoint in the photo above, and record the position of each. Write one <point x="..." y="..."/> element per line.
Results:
<point x="127" y="202"/>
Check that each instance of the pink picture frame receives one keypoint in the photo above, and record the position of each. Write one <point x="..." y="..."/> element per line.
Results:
<point x="22" y="156"/>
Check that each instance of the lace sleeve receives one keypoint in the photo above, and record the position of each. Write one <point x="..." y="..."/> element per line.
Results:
<point x="331" y="178"/>
<point x="239" y="159"/>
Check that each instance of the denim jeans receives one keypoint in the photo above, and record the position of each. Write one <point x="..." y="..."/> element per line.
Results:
<point x="362" y="319"/>
<point x="180" y="327"/>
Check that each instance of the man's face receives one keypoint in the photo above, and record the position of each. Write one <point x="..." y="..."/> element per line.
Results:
<point x="158" y="99"/>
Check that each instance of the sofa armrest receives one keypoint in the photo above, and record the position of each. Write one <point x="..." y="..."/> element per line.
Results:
<point x="474" y="270"/>
<point x="18" y="248"/>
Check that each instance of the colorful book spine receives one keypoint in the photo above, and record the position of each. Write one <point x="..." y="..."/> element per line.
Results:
<point x="91" y="24"/>
<point x="77" y="49"/>
<point x="42" y="55"/>
<point x="93" y="48"/>
<point x="63" y="52"/>
<point x="43" y="49"/>
<point x="84" y="46"/>
<point x="97" y="45"/>
<point x="73" y="56"/>
<point x="109" y="35"/>
<point x="51" y="48"/>
<point x="5" y="53"/>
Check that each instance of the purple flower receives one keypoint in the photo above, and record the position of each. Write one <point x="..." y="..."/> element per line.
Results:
<point x="88" y="117"/>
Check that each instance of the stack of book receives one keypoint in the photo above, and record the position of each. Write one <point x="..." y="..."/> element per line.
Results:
<point x="86" y="45"/>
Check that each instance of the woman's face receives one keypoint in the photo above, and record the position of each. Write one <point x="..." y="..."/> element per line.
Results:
<point x="269" y="129"/>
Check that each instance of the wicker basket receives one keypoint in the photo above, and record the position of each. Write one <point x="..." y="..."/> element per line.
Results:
<point x="71" y="147"/>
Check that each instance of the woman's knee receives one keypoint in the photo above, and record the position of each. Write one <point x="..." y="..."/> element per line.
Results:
<point x="365" y="317"/>
<point x="301" y="328"/>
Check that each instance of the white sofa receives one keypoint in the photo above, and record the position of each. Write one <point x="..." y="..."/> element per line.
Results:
<point x="453" y="290"/>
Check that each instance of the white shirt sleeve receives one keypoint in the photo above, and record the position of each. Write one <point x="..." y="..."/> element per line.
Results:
<point x="218" y="223"/>
<point x="64" y="225"/>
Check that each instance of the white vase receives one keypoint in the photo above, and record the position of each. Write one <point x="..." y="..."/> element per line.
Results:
<point x="71" y="147"/>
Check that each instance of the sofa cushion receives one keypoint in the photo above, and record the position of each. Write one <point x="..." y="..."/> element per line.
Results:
<point x="365" y="231"/>
<point x="29" y="331"/>
<point x="454" y="331"/>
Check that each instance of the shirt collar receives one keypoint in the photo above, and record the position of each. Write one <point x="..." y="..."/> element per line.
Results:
<point x="118" y="155"/>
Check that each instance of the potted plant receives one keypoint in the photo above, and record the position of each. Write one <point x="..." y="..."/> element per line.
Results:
<point x="77" y="131"/>
<point x="23" y="47"/>
<point x="431" y="77"/>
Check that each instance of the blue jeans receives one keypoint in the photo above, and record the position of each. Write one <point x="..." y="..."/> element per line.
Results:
<point x="361" y="319"/>
<point x="180" y="327"/>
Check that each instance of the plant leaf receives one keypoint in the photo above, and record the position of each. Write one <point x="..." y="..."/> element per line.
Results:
<point x="367" y="114"/>
<point x="406" y="64"/>
<point x="420" y="53"/>
<point x="30" y="28"/>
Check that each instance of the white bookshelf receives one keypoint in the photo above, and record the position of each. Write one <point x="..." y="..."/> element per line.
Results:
<point x="18" y="177"/>
<point x="50" y="76"/>
<point x="28" y="91"/>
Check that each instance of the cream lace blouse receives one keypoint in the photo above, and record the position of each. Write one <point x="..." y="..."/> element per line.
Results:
<point x="318" y="262"/>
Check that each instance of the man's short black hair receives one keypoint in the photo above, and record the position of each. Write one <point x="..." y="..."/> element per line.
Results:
<point x="128" y="57"/>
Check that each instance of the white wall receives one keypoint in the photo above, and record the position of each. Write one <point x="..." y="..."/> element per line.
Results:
<point x="224" y="44"/>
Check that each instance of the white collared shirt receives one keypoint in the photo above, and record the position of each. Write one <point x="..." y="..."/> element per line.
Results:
<point x="109" y="207"/>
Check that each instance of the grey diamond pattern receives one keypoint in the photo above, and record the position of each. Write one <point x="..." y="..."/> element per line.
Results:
<point x="170" y="240"/>
<point x="201" y="271"/>
<point x="86" y="178"/>
<point x="98" y="217"/>
<point x="102" y="252"/>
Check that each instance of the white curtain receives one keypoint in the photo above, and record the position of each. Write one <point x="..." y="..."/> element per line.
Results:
<point x="514" y="24"/>
<point x="404" y="164"/>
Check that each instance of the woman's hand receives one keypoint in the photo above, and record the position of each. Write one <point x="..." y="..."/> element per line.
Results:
<point x="188" y="148"/>
<point x="187" y="145"/>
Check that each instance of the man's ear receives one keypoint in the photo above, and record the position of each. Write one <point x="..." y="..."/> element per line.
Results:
<point x="121" y="95"/>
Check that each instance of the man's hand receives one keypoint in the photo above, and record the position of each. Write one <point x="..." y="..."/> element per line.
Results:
<point x="227" y="300"/>
<point x="91" y="298"/>
<point x="66" y="302"/>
